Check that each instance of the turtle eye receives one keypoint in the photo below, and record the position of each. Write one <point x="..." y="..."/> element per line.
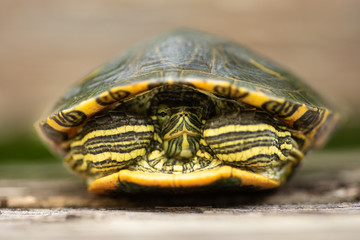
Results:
<point x="162" y="114"/>
<point x="162" y="111"/>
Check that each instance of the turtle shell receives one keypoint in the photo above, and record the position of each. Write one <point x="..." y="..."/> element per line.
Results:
<point x="204" y="62"/>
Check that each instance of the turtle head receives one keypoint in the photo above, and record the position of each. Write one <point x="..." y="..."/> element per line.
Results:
<point x="180" y="129"/>
<point x="180" y="113"/>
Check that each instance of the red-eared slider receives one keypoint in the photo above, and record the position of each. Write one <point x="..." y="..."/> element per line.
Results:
<point x="187" y="111"/>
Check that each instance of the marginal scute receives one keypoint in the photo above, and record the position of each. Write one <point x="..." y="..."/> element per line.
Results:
<point x="105" y="100"/>
<point x="119" y="94"/>
<point x="112" y="97"/>
<point x="230" y="92"/>
<point x="309" y="120"/>
<point x="71" y="118"/>
<point x="238" y="95"/>
<point x="280" y="109"/>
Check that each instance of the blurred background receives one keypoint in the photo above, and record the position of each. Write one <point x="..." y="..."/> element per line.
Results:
<point x="47" y="45"/>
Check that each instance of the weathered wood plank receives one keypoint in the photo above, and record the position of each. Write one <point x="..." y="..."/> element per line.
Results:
<point x="271" y="222"/>
<point x="321" y="202"/>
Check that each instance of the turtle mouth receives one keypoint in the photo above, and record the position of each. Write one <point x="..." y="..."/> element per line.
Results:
<point x="179" y="134"/>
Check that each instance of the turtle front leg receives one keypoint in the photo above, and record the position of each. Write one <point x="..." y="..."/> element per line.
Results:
<point x="109" y="143"/>
<point x="250" y="140"/>
<point x="205" y="158"/>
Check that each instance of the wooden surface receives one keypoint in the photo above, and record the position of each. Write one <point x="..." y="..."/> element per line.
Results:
<point x="340" y="221"/>
<point x="322" y="201"/>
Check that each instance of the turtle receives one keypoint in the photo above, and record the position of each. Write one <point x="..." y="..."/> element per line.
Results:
<point x="187" y="111"/>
